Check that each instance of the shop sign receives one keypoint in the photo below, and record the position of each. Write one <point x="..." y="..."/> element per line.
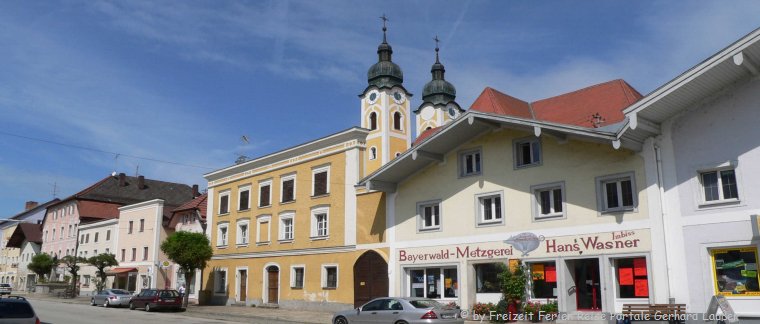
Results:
<point x="533" y="246"/>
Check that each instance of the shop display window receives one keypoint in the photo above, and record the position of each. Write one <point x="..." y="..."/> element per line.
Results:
<point x="543" y="277"/>
<point x="436" y="283"/>
<point x="736" y="271"/>
<point x="487" y="277"/>
<point x="632" y="278"/>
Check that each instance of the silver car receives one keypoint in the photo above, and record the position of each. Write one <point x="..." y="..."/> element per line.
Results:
<point x="402" y="310"/>
<point x="111" y="297"/>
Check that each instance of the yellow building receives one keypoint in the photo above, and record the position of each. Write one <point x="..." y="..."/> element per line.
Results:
<point x="291" y="229"/>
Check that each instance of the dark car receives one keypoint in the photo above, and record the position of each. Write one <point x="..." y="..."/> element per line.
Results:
<point x="16" y="310"/>
<point x="5" y="289"/>
<point x="155" y="299"/>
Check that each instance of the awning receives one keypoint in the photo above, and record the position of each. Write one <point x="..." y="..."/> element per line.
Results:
<point x="116" y="271"/>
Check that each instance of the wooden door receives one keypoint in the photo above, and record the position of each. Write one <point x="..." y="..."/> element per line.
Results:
<point x="273" y="284"/>
<point x="370" y="278"/>
<point x="243" y="285"/>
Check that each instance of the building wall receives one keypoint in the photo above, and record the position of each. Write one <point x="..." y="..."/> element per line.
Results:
<point x="9" y="257"/>
<point x="152" y="212"/>
<point x="91" y="247"/>
<point x="370" y="218"/>
<point x="28" y="251"/>
<point x="63" y="215"/>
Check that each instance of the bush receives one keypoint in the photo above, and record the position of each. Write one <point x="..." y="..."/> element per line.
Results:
<point x="550" y="307"/>
<point x="482" y="309"/>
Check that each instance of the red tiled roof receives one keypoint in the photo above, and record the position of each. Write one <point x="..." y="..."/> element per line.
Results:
<point x="199" y="203"/>
<point x="25" y="232"/>
<point x="427" y="133"/>
<point x="98" y="210"/>
<point x="574" y="108"/>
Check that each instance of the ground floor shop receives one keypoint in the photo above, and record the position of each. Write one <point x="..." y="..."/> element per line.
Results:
<point x="135" y="277"/>
<point x="336" y="280"/>
<point x="595" y="272"/>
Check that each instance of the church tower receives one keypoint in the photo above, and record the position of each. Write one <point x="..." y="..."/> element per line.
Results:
<point x="385" y="110"/>
<point x="438" y="107"/>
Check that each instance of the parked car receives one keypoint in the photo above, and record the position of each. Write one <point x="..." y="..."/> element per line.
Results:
<point x="17" y="310"/>
<point x="5" y="289"/>
<point x="400" y="310"/>
<point x="155" y="299"/>
<point x="111" y="297"/>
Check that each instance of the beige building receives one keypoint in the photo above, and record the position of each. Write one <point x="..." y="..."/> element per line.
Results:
<point x="94" y="239"/>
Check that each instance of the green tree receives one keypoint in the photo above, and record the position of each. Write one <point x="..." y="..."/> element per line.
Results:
<point x="101" y="262"/>
<point x="513" y="282"/>
<point x="72" y="265"/>
<point x="190" y="251"/>
<point x="41" y="264"/>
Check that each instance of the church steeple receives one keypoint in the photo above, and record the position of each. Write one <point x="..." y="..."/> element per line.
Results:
<point x="438" y="98"/>
<point x="385" y="73"/>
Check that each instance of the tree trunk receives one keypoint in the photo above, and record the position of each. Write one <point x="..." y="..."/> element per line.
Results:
<point x="189" y="275"/>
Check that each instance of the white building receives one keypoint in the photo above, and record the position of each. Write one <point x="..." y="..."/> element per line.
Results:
<point x="94" y="239"/>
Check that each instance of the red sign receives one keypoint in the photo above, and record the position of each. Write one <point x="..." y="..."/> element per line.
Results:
<point x="551" y="273"/>
<point x="641" y="288"/>
<point x="640" y="267"/>
<point x="625" y="276"/>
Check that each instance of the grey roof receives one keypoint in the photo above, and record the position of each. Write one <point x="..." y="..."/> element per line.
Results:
<point x="108" y="190"/>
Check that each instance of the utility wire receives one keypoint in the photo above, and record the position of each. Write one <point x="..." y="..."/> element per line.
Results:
<point x="103" y="151"/>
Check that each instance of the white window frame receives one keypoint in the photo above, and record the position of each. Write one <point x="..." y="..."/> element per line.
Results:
<point x="284" y="178"/>
<point x="601" y="192"/>
<point x="220" y="289"/>
<point x="261" y="185"/>
<point x="479" y="210"/>
<point x="537" y="189"/>
<point x="293" y="276"/>
<point x="314" y="173"/>
<point x="281" y="228"/>
<point x="462" y="165"/>
<point x="516" y="152"/>
<point x="315" y="226"/>
<point x="241" y="239"/>
<point x="259" y="220"/>
<point x="324" y="275"/>
<point x="222" y="240"/>
<point x="225" y="193"/>
<point x="242" y="189"/>
<point x="420" y="218"/>
<point x="727" y="166"/>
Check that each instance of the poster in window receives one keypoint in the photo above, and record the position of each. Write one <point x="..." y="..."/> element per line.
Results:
<point x="641" y="288"/>
<point x="537" y="271"/>
<point x="626" y="276"/>
<point x="513" y="264"/>
<point x="551" y="274"/>
<point x="640" y="267"/>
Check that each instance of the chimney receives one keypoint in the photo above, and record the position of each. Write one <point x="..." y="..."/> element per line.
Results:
<point x="122" y="179"/>
<point x="39" y="221"/>
<point x="30" y="204"/>
<point x="195" y="191"/>
<point x="141" y="182"/>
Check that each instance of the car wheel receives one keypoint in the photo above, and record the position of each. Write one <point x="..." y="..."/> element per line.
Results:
<point x="92" y="301"/>
<point x="106" y="304"/>
<point x="401" y="322"/>
<point x="131" y="306"/>
<point x="341" y="320"/>
<point x="147" y="308"/>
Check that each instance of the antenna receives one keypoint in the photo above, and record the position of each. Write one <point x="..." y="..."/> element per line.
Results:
<point x="242" y="158"/>
<point x="137" y="170"/>
<point x="55" y="189"/>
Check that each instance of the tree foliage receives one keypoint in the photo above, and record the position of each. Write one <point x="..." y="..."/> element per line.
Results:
<point x="41" y="264"/>
<point x="191" y="251"/>
<point x="101" y="262"/>
<point x="513" y="282"/>
<point x="72" y="265"/>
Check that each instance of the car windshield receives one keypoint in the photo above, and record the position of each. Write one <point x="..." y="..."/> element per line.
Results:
<point x="5" y="285"/>
<point x="168" y="293"/>
<point x="119" y="292"/>
<point x="425" y="303"/>
<point x="15" y="309"/>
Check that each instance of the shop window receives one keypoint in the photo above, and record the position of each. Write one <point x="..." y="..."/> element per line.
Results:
<point x="736" y="271"/>
<point x="632" y="279"/>
<point x="434" y="283"/>
<point x="487" y="277"/>
<point x="719" y="186"/>
<point x="543" y="277"/>
<point x="469" y="163"/>
<point x="527" y="152"/>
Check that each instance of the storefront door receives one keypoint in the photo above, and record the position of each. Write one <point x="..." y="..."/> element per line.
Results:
<point x="587" y="288"/>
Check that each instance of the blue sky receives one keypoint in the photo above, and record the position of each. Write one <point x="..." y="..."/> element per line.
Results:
<point x="182" y="81"/>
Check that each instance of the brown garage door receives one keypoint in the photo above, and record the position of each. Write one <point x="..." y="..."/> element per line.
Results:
<point x="370" y="278"/>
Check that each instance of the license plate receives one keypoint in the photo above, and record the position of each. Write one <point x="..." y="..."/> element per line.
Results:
<point x="171" y="300"/>
<point x="447" y="316"/>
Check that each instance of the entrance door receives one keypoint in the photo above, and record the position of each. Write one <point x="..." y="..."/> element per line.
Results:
<point x="588" y="290"/>
<point x="273" y="274"/>
<point x="243" y="289"/>
<point x="370" y="278"/>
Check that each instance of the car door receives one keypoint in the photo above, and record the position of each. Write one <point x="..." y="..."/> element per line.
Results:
<point x="369" y="312"/>
<point x="139" y="301"/>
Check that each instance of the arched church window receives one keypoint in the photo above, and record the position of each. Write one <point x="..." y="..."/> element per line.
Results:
<point x="397" y="120"/>
<point x="372" y="153"/>
<point x="373" y="121"/>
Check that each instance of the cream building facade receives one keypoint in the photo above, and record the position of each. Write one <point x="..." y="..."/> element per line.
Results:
<point x="94" y="239"/>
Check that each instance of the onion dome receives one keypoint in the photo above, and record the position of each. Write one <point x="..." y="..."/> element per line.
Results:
<point x="438" y="90"/>
<point x="385" y="73"/>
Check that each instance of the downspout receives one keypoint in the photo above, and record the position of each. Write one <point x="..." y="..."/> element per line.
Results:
<point x="663" y="215"/>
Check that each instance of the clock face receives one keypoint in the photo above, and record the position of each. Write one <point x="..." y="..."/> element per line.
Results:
<point x="427" y="113"/>
<point x="398" y="97"/>
<point x="373" y="96"/>
<point x="452" y="110"/>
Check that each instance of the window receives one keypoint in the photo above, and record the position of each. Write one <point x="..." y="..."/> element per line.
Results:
<point x="220" y="281"/>
<point x="96" y="237"/>
<point x="433" y="283"/>
<point x="265" y="189"/>
<point x="95" y="252"/>
<point x="131" y="225"/>
<point x="632" y="279"/>
<point x="527" y="152"/>
<point x="242" y="232"/>
<point x="244" y="197"/>
<point x="142" y="225"/>
<point x="224" y="202"/>
<point x="320" y="177"/>
<point x="397" y="120"/>
<point x="53" y="236"/>
<point x="616" y="192"/>
<point x="543" y="279"/>
<point x="87" y="238"/>
<point x="108" y="235"/>
<point x="145" y="253"/>
<point x="549" y="201"/>
<point x="262" y="231"/>
<point x="487" y="277"/>
<point x="286" y="227"/>
<point x="296" y="276"/>
<point x="735" y="271"/>
<point x="221" y="235"/>
<point x="123" y="255"/>
<point x="81" y="238"/>
<point x="372" y="121"/>
<point x="719" y="186"/>
<point x="489" y="208"/>
<point x="319" y="222"/>
<point x="469" y="163"/>
<point x="86" y="280"/>
<point x="429" y="216"/>
<point x="330" y="276"/>
<point x="70" y="232"/>
<point x="372" y="153"/>
<point x="288" y="188"/>
<point x="61" y="232"/>
<point x="134" y="254"/>
<point x="108" y="251"/>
